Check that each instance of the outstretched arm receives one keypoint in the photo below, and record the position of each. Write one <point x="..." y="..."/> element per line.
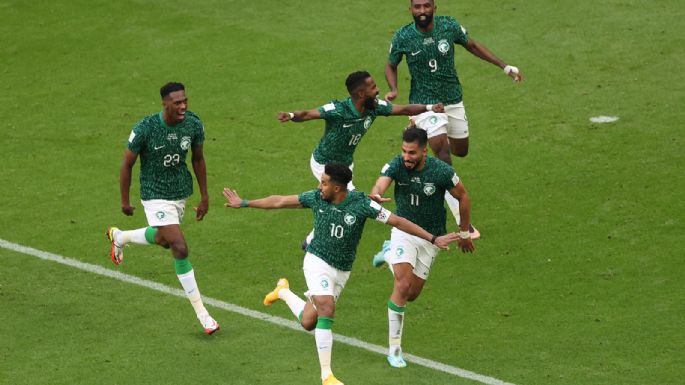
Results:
<point x="412" y="228"/>
<point x="130" y="158"/>
<point x="482" y="52"/>
<point x="415" y="109"/>
<point x="381" y="186"/>
<point x="299" y="116"/>
<point x="270" y="202"/>
<point x="459" y="192"/>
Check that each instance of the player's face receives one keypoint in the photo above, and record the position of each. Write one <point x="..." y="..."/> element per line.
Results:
<point x="413" y="155"/>
<point x="370" y="94"/>
<point x="175" y="106"/>
<point x="422" y="11"/>
<point x="327" y="188"/>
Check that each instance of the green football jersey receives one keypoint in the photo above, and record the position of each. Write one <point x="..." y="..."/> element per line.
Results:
<point x="345" y="127"/>
<point x="162" y="150"/>
<point x="430" y="58"/>
<point x="338" y="228"/>
<point x="419" y="195"/>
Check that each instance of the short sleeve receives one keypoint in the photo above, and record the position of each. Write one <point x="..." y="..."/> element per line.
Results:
<point x="395" y="54"/>
<point x="378" y="212"/>
<point x="384" y="108"/>
<point x="308" y="198"/>
<point x="390" y="168"/>
<point x="329" y="111"/>
<point x="136" y="140"/>
<point x="461" y="37"/>
<point x="199" y="136"/>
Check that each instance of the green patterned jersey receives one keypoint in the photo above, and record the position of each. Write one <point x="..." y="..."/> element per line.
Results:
<point x="430" y="58"/>
<point x="345" y="127"/>
<point x="419" y="195"/>
<point x="162" y="150"/>
<point x="338" y="228"/>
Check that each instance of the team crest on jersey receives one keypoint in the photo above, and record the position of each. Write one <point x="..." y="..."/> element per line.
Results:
<point x="367" y="122"/>
<point x="185" y="142"/>
<point x="349" y="219"/>
<point x="443" y="46"/>
<point x="429" y="189"/>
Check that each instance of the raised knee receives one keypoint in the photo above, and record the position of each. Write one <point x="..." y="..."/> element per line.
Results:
<point x="180" y="250"/>
<point x="307" y="325"/>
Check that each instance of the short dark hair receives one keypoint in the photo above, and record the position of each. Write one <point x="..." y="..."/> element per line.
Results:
<point x="339" y="173"/>
<point x="170" y="87"/>
<point x="355" y="80"/>
<point x="414" y="134"/>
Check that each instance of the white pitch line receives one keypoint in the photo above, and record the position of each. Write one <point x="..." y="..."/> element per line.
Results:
<point x="463" y="373"/>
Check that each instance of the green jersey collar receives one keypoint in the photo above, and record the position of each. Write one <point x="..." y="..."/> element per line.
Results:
<point x="352" y="107"/>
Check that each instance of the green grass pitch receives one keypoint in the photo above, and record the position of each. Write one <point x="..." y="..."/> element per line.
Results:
<point x="578" y="276"/>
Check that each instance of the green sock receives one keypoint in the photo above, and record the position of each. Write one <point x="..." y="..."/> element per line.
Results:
<point x="150" y="235"/>
<point x="182" y="266"/>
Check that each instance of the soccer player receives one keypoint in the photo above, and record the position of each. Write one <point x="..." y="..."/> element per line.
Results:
<point x="347" y="121"/>
<point x="428" y="44"/>
<point x="420" y="184"/>
<point x="162" y="141"/>
<point x="339" y="218"/>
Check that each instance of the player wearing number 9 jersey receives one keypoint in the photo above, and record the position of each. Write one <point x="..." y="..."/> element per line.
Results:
<point x="339" y="218"/>
<point x="162" y="140"/>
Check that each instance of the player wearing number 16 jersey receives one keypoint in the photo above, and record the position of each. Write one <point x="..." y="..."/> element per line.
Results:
<point x="339" y="218"/>
<point x="162" y="141"/>
<point x="348" y="121"/>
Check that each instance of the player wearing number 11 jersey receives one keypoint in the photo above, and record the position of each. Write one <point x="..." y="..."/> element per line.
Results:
<point x="162" y="141"/>
<point x="339" y="218"/>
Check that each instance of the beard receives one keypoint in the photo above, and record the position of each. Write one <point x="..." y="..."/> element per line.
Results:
<point x="370" y="103"/>
<point x="425" y="22"/>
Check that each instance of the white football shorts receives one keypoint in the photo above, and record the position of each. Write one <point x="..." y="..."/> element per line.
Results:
<point x="318" y="169"/>
<point x="452" y="122"/>
<point x="161" y="212"/>
<point x="322" y="278"/>
<point x="418" y="252"/>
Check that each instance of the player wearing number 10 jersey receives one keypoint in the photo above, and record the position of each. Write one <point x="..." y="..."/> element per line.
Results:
<point x="162" y="141"/>
<point x="339" y="218"/>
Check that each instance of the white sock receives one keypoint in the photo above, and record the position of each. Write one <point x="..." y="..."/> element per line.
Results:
<point x="192" y="292"/>
<point x="295" y="303"/>
<point x="395" y="322"/>
<point x="324" y="346"/>
<point x="136" y="236"/>
<point x="453" y="204"/>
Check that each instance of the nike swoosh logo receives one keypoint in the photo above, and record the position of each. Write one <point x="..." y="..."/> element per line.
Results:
<point x="402" y="184"/>
<point x="157" y="148"/>
<point x="320" y="210"/>
<point x="348" y="125"/>
<point x="415" y="53"/>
